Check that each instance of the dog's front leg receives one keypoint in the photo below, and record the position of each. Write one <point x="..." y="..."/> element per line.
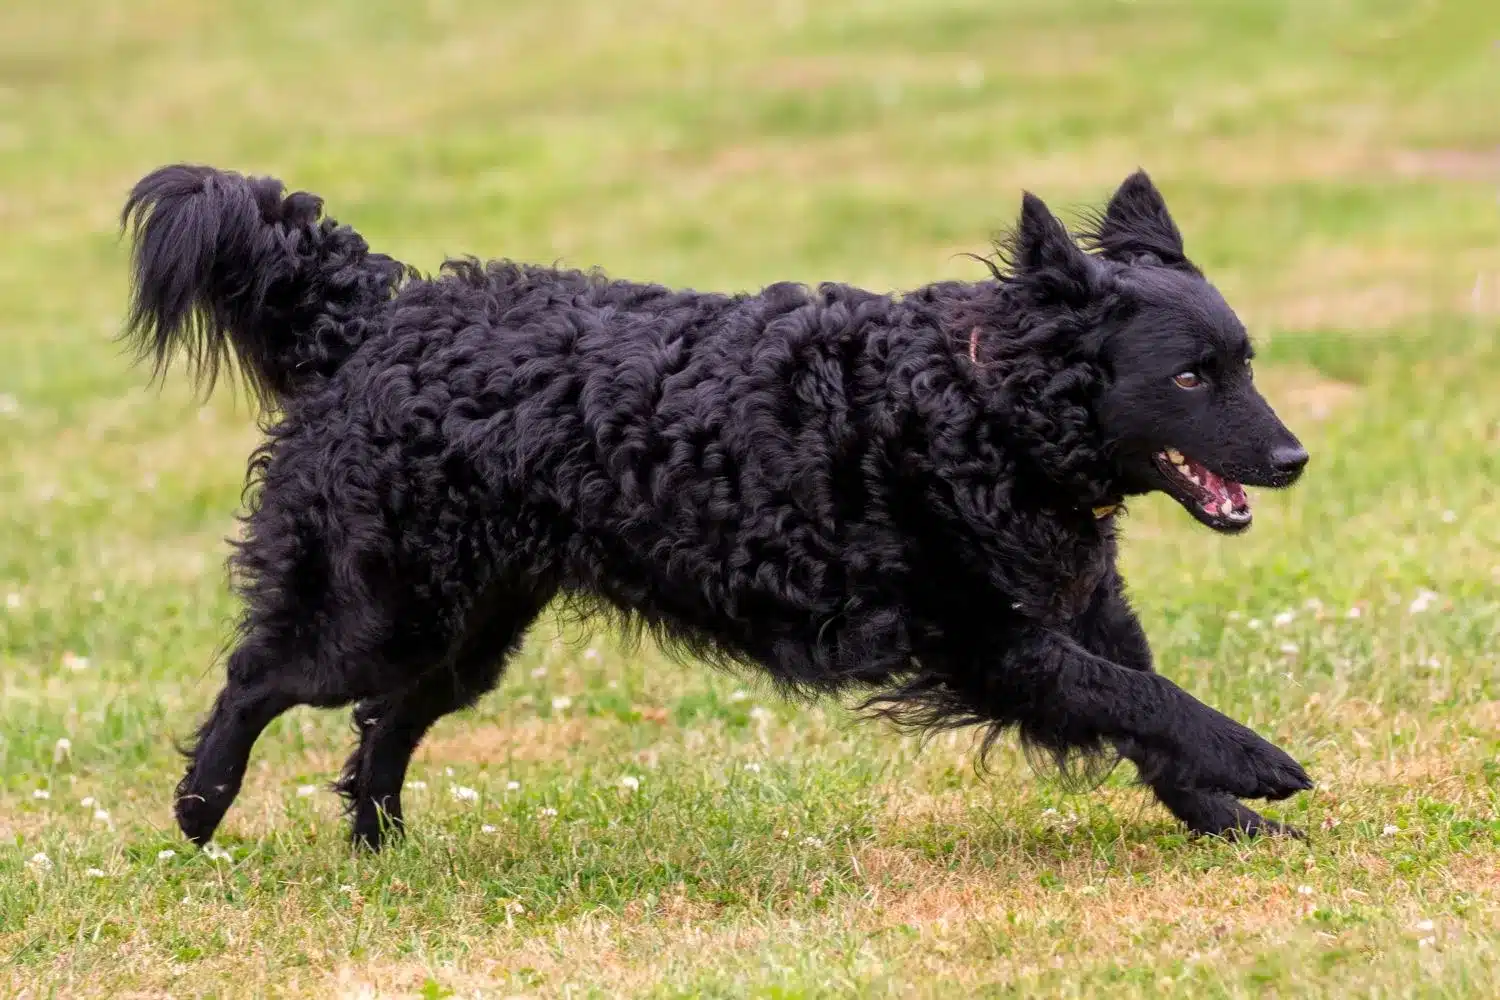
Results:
<point x="1108" y="627"/>
<point x="1065" y="696"/>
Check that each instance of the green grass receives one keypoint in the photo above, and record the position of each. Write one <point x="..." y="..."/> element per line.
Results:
<point x="1335" y="167"/>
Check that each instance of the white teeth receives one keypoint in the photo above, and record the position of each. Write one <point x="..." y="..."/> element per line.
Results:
<point x="1175" y="456"/>
<point x="1226" y="507"/>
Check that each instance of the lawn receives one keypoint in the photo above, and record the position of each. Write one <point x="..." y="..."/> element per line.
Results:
<point x="611" y="823"/>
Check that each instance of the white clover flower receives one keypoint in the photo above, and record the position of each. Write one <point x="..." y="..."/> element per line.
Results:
<point x="214" y="852"/>
<point x="1425" y="925"/>
<point x="1423" y="601"/>
<point x="166" y="855"/>
<point x="1289" y="648"/>
<point x="87" y="801"/>
<point x="1304" y="890"/>
<point x="1390" y="830"/>
<point x="1283" y="619"/>
<point x="417" y="786"/>
<point x="1353" y="613"/>
<point x="548" y="811"/>
<point x="41" y="793"/>
<point x="40" y="862"/>
<point x="463" y="793"/>
<point x="61" y="749"/>
<point x="1253" y="624"/>
<point x="101" y="815"/>
<point x="73" y="661"/>
<point x="630" y="782"/>
<point x="812" y="842"/>
<point x="512" y="786"/>
<point x="753" y="768"/>
<point x="13" y="600"/>
<point x="486" y="828"/>
<point x="538" y="673"/>
<point x="303" y="791"/>
<point x="739" y="696"/>
<point x="94" y="872"/>
<point x="591" y="653"/>
<point x="561" y="703"/>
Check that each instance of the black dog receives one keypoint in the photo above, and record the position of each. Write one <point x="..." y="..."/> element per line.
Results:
<point x="912" y="496"/>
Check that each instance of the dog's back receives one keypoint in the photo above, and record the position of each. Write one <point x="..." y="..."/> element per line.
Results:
<point x="701" y="460"/>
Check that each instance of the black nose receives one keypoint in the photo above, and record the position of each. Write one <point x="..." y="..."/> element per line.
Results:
<point x="1288" y="461"/>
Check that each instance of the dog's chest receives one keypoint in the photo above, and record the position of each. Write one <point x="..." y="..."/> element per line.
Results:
<point x="1076" y="592"/>
<point x="1065" y="573"/>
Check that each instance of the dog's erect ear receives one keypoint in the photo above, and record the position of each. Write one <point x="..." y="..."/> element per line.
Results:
<point x="1045" y="256"/>
<point x="1136" y="228"/>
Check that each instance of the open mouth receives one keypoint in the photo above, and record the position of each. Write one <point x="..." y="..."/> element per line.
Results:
<point x="1217" y="502"/>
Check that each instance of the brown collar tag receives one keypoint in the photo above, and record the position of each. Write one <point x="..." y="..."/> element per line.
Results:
<point x="1100" y="513"/>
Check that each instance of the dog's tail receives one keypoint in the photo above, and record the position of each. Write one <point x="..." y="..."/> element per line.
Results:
<point x="225" y="263"/>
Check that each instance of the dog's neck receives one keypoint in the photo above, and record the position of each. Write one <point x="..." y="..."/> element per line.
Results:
<point x="1040" y="399"/>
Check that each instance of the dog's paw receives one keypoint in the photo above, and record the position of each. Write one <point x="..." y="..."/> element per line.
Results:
<point x="198" y="816"/>
<point x="1214" y="814"/>
<point x="1235" y="821"/>
<point x="1232" y="759"/>
<point x="200" y="804"/>
<point x="1257" y="825"/>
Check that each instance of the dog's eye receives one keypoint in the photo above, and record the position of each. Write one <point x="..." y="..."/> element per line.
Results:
<point x="1187" y="380"/>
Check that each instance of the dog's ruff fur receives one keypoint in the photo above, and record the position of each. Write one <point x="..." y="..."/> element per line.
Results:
<point x="909" y="497"/>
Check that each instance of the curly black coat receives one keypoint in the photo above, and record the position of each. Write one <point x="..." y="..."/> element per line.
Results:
<point x="909" y="496"/>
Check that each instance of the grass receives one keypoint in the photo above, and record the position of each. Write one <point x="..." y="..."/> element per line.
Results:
<point x="1335" y="167"/>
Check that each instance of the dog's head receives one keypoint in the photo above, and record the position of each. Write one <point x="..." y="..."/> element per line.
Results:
<point x="1173" y="401"/>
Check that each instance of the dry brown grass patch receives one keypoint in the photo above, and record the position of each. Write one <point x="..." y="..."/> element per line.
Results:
<point x="531" y="740"/>
<point x="952" y="914"/>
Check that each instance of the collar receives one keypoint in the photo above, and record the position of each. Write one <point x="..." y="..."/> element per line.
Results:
<point x="1108" y="510"/>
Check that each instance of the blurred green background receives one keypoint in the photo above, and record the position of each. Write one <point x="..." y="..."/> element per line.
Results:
<point x="1335" y="167"/>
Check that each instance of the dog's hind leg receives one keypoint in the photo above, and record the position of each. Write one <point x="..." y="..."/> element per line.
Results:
<point x="251" y="700"/>
<point x="390" y="728"/>
<point x="1109" y="628"/>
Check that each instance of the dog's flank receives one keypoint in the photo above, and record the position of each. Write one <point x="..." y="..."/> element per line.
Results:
<point x="895" y="495"/>
<point x="225" y="263"/>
